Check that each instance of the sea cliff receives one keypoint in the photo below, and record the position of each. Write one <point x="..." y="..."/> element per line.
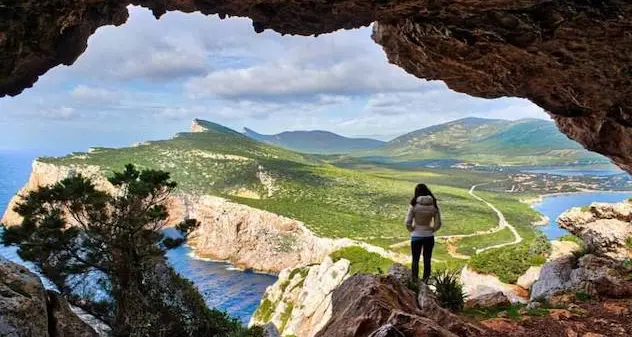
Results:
<point x="247" y="237"/>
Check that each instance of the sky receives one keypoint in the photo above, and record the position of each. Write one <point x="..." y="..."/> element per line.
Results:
<point x="149" y="78"/>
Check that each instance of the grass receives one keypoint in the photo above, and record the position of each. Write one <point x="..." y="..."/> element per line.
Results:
<point x="508" y="263"/>
<point x="571" y="238"/>
<point x="335" y="196"/>
<point x="362" y="261"/>
<point x="469" y="245"/>
<point x="514" y="312"/>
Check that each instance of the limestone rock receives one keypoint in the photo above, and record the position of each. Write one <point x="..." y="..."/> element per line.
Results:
<point x="28" y="310"/>
<point x="401" y="273"/>
<point x="378" y="305"/>
<point x="23" y="311"/>
<point x="527" y="279"/>
<point x="475" y="285"/>
<point x="270" y="330"/>
<point x="554" y="277"/>
<point x="594" y="275"/>
<point x="606" y="227"/>
<point x="561" y="249"/>
<point x="492" y="300"/>
<point x="600" y="276"/>
<point x="66" y="322"/>
<point x="299" y="303"/>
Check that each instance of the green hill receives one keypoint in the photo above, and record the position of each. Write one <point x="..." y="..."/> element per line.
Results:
<point x="487" y="141"/>
<point x="322" y="142"/>
<point x="363" y="201"/>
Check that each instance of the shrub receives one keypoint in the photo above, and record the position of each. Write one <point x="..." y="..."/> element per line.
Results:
<point x="449" y="290"/>
<point x="571" y="238"/>
<point x="582" y="296"/>
<point x="171" y="243"/>
<point x="628" y="242"/>
<point x="509" y="263"/>
<point x="362" y="261"/>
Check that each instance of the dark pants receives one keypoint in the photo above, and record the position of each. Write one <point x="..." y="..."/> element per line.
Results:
<point x="418" y="245"/>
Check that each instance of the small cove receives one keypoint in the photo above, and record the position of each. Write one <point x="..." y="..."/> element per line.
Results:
<point x="552" y="206"/>
<point x="222" y="286"/>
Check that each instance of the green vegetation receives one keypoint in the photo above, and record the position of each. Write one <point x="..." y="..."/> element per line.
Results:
<point x="116" y="239"/>
<point x="487" y="141"/>
<point x="285" y="316"/>
<point x="335" y="196"/>
<point x="449" y="290"/>
<point x="469" y="245"/>
<point x="510" y="262"/>
<point x="265" y="310"/>
<point x="322" y="142"/>
<point x="582" y="296"/>
<point x="628" y="242"/>
<point x="571" y="238"/>
<point x="515" y="312"/>
<point x="362" y="261"/>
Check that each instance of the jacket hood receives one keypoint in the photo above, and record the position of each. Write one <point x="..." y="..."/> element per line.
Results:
<point x="425" y="200"/>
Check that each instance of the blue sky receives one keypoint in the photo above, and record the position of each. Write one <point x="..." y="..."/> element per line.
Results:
<point x="149" y="78"/>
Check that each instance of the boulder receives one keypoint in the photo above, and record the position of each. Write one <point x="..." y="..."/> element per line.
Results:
<point x="475" y="285"/>
<point x="604" y="227"/>
<point x="23" y="310"/>
<point x="28" y="310"/>
<point x="492" y="300"/>
<point x="527" y="279"/>
<point x="594" y="275"/>
<point x="369" y="305"/>
<point x="401" y="273"/>
<point x="554" y="277"/>
<point x="600" y="276"/>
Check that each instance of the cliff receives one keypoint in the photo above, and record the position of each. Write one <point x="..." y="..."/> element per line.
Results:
<point x="249" y="238"/>
<point x="606" y="228"/>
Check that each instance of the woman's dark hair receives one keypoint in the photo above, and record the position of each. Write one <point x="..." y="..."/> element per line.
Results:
<point x="423" y="190"/>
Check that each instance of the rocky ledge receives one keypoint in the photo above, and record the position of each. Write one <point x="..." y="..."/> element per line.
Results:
<point x="28" y="310"/>
<point x="572" y="58"/>
<point x="605" y="228"/>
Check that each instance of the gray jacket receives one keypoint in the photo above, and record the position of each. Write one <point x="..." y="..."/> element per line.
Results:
<point x="419" y="220"/>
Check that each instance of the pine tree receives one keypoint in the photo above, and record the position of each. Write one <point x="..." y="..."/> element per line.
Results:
<point x="74" y="232"/>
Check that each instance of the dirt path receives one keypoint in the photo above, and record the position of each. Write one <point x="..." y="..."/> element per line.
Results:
<point x="502" y="224"/>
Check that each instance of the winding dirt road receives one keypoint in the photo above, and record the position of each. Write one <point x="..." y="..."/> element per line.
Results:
<point x="502" y="224"/>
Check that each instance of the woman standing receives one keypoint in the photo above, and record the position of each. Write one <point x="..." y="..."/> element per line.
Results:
<point x="422" y="221"/>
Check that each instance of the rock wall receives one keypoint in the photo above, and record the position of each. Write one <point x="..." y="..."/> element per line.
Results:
<point x="29" y="310"/>
<point x="607" y="228"/>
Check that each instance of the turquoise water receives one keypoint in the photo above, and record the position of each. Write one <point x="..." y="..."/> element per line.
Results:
<point x="554" y="205"/>
<point x="222" y="286"/>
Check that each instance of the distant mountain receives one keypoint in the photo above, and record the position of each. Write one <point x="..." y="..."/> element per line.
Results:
<point x="488" y="141"/>
<point x="321" y="142"/>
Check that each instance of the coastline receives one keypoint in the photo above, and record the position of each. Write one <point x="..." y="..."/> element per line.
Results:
<point x="229" y="265"/>
<point x="540" y="197"/>
<point x="544" y="220"/>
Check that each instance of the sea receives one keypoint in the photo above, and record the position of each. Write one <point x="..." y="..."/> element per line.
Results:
<point x="552" y="206"/>
<point x="224" y="287"/>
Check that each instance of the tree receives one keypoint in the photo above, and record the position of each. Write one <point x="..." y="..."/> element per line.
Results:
<point x="74" y="232"/>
